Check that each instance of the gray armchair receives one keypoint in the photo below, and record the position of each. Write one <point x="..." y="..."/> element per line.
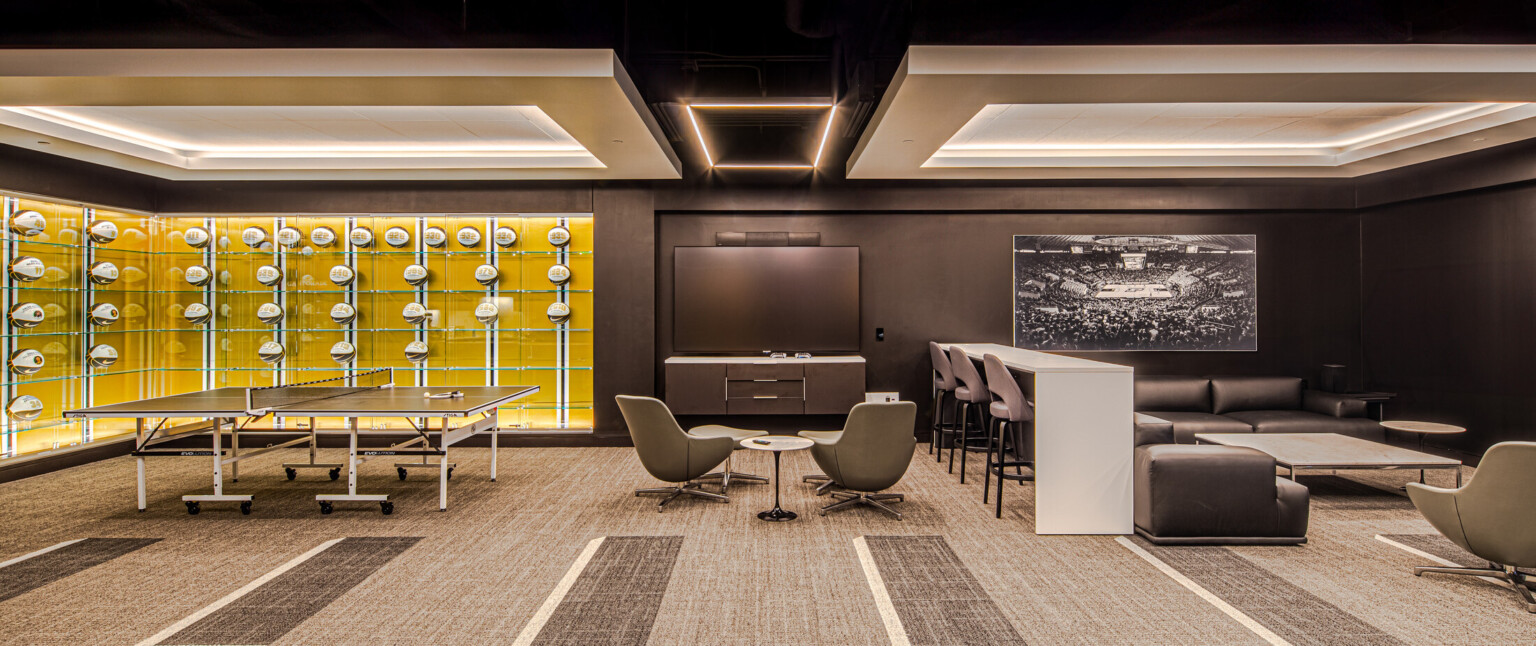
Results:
<point x="1493" y="516"/>
<point x="669" y="453"/>
<point x="869" y="455"/>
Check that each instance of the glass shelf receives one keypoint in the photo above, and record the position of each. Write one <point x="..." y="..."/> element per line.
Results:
<point x="423" y="290"/>
<point x="41" y="427"/>
<point x="384" y="329"/>
<point x="400" y="252"/>
<point x="357" y="370"/>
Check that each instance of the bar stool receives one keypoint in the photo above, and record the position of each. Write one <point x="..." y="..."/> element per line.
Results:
<point x="971" y="394"/>
<point x="943" y="390"/>
<point x="1011" y="411"/>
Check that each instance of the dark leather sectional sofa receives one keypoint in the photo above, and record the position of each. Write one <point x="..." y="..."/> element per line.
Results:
<point x="1213" y="494"/>
<point x="1249" y="405"/>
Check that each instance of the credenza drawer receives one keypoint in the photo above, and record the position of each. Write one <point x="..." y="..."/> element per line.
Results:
<point x="787" y="388"/>
<point x="764" y="371"/>
<point x="765" y="406"/>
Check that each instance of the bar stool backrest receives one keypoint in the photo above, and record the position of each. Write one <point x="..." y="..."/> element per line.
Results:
<point x="941" y="366"/>
<point x="965" y="371"/>
<point x="1006" y="388"/>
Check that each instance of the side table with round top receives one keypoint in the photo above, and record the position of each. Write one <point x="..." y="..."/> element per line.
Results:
<point x="1423" y="429"/>
<point x="778" y="444"/>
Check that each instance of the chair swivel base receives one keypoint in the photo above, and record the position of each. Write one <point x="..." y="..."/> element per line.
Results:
<point x="726" y="475"/>
<point x="824" y="479"/>
<point x="848" y="499"/>
<point x="690" y="489"/>
<point x="1515" y="578"/>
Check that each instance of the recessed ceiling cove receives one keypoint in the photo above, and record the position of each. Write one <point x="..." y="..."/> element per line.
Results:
<point x="345" y="114"/>
<point x="1223" y="111"/>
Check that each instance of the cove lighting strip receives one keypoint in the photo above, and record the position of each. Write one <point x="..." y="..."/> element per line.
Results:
<point x="821" y="147"/>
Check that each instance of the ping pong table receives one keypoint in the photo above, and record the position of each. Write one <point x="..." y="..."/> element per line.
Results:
<point x="365" y="395"/>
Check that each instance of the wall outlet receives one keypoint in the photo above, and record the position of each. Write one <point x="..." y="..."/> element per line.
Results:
<point x="881" y="398"/>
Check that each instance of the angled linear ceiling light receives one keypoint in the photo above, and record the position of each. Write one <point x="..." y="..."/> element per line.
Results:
<point x="821" y="144"/>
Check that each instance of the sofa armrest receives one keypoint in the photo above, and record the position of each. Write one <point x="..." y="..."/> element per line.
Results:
<point x="1294" y="506"/>
<point x="1152" y="430"/>
<point x="1332" y="404"/>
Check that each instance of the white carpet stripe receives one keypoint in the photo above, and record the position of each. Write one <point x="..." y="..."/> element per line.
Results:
<point x="888" y="616"/>
<point x="40" y="552"/>
<point x="1426" y="555"/>
<point x="1200" y="591"/>
<point x="231" y="597"/>
<point x="536" y="624"/>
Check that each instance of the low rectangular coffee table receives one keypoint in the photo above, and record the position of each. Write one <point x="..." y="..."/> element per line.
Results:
<point x="1331" y="451"/>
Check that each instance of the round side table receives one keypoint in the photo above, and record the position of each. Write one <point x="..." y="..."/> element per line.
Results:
<point x="778" y="444"/>
<point x="1423" y="429"/>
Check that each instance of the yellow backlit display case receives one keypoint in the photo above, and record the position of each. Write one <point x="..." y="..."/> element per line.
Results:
<point x="211" y="301"/>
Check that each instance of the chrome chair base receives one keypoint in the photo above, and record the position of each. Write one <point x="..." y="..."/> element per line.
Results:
<point x="848" y="499"/>
<point x="689" y="488"/>
<point x="824" y="479"/>
<point x="1514" y="577"/>
<point x="726" y="475"/>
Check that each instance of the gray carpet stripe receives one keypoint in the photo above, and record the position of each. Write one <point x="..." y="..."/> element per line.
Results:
<point x="937" y="598"/>
<point x="38" y="571"/>
<point x="615" y="600"/>
<point x="278" y="606"/>
<point x="1296" y="615"/>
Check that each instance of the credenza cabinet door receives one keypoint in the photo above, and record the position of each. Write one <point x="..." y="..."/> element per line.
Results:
<point x="696" y="388"/>
<point x="833" y="388"/>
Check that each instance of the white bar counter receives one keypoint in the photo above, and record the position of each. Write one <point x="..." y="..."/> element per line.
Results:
<point x="1083" y="438"/>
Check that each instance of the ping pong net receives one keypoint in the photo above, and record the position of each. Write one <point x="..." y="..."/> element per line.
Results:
<point x="267" y="398"/>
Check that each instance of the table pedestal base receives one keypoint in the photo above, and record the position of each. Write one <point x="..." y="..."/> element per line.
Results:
<point x="776" y="515"/>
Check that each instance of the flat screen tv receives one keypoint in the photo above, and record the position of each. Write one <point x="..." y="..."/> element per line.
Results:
<point x="752" y="299"/>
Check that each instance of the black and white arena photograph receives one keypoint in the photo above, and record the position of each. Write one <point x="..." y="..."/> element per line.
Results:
<point x="1135" y="292"/>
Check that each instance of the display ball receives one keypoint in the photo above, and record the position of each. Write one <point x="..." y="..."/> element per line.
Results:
<point x="269" y="275"/>
<point x="343" y="352"/>
<point x="322" y="236"/>
<point x="25" y="315"/>
<point x="434" y="237"/>
<point x="28" y="223"/>
<point x="559" y="236"/>
<point x="66" y="236"/>
<point x="487" y="275"/>
<point x="25" y="408"/>
<point x="197" y="314"/>
<point x="468" y="237"/>
<point x="134" y="311"/>
<point x="134" y="275"/>
<point x="254" y="237"/>
<point x="196" y="237"/>
<point x="416" y="351"/>
<point x="271" y="352"/>
<point x="487" y="313"/>
<point x="225" y="310"/>
<point x="54" y="310"/>
<point x="55" y="275"/>
<point x="198" y="275"/>
<point x="55" y="349"/>
<point x="175" y="309"/>
<point x="414" y="313"/>
<point x="342" y="313"/>
<point x="102" y="355"/>
<point x="342" y="275"/>
<point x="175" y="348"/>
<point x="289" y="237"/>
<point x="104" y="314"/>
<point x="102" y="273"/>
<point x="102" y="232"/>
<point x="559" y="274"/>
<point x="175" y="275"/>
<point x="27" y="269"/>
<point x="415" y="274"/>
<point x="361" y="237"/>
<point x="504" y="237"/>
<point x="225" y="277"/>
<point x="26" y="361"/>
<point x="270" y="313"/>
<point x="558" y="313"/>
<point x="397" y="237"/>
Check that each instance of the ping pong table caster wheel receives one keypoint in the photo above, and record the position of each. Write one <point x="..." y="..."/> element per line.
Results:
<point x="193" y="507"/>
<point x="401" y="472"/>
<point x="245" y="508"/>
<point x="325" y="508"/>
<point x="292" y="473"/>
<point x="387" y="507"/>
<point x="335" y="473"/>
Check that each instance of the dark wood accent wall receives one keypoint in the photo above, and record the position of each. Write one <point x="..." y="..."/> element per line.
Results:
<point x="947" y="277"/>
<point x="1448" y="308"/>
<point x="27" y="171"/>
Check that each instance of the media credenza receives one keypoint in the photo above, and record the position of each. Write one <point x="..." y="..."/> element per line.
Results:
<point x="829" y="385"/>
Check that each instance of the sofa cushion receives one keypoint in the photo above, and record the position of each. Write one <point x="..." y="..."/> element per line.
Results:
<point x="1230" y="394"/>
<point x="1186" y="424"/>
<point x="1173" y="393"/>
<point x="1300" y="421"/>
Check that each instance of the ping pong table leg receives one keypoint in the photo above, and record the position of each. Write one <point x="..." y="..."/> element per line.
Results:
<point x="234" y="451"/>
<point x="495" y="439"/>
<point x="442" y="469"/>
<point x="218" y="458"/>
<point x="352" y="456"/>
<point x="139" y="432"/>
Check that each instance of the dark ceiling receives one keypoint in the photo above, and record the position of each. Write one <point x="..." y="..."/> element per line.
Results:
<point x="677" y="50"/>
